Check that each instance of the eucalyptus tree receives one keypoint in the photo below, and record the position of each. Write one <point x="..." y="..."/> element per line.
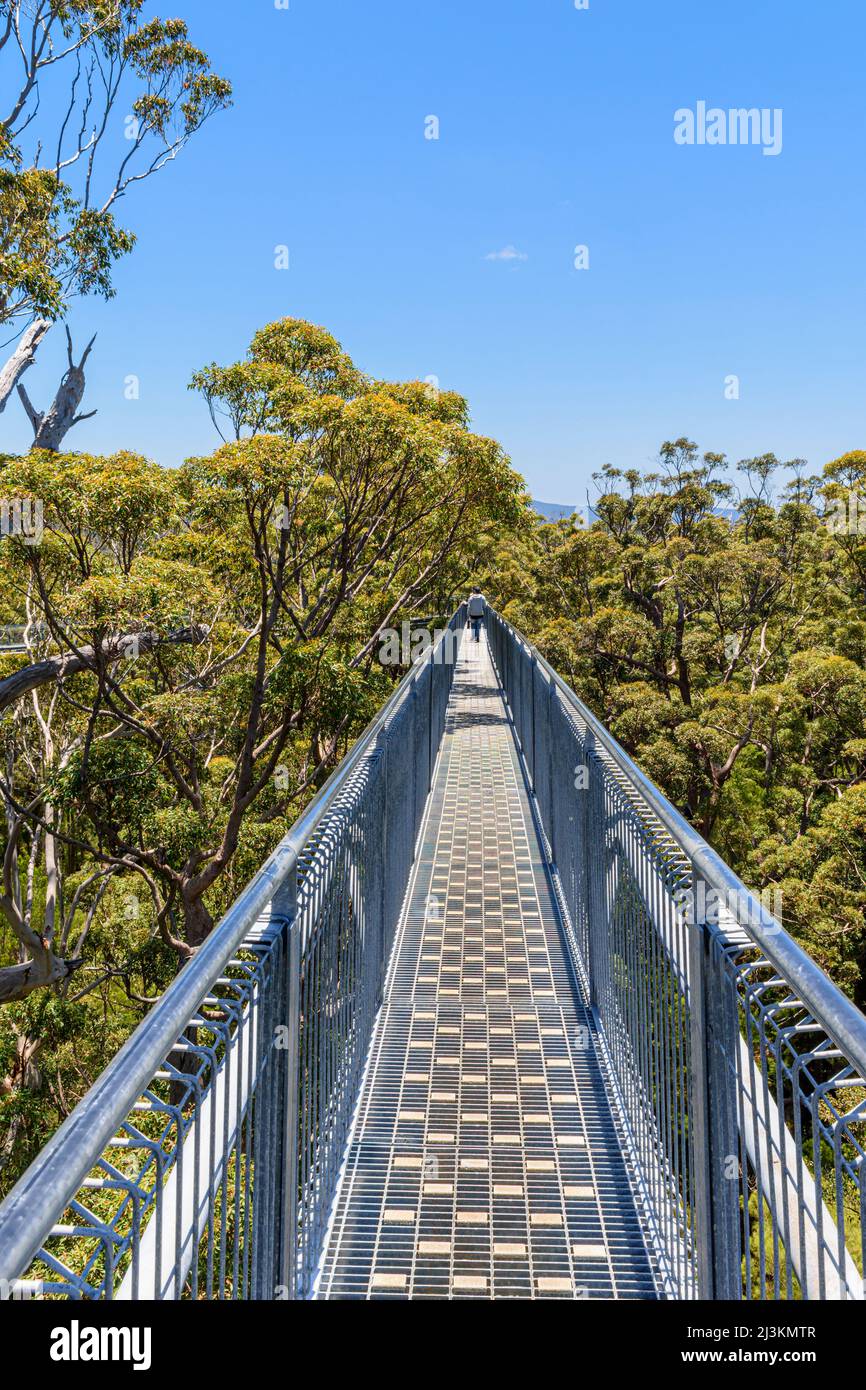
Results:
<point x="843" y="491"/>
<point x="100" y="97"/>
<point x="722" y="638"/>
<point x="210" y="634"/>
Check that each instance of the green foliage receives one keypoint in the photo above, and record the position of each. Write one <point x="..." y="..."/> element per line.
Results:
<point x="58" y="233"/>
<point x="726" y="652"/>
<point x="214" y="631"/>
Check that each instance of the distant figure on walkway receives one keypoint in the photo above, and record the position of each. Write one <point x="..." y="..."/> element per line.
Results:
<point x="477" y="608"/>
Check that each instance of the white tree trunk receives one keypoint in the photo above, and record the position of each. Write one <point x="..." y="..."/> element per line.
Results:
<point x="17" y="981"/>
<point x="22" y="358"/>
<point x="55" y="668"/>
<point x="51" y="427"/>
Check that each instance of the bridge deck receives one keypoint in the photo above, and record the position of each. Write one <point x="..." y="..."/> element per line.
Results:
<point x="485" y="1160"/>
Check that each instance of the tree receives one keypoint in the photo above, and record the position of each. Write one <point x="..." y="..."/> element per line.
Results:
<point x="81" y="74"/>
<point x="844" y="495"/>
<point x="722" y="639"/>
<point x="209" y="637"/>
<point x="200" y="648"/>
<point x="51" y="427"/>
<point x="822" y="878"/>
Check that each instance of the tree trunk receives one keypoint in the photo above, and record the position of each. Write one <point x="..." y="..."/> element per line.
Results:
<point x="51" y="428"/>
<point x="183" y="1093"/>
<point x="198" y="922"/>
<point x="17" y="981"/>
<point x="22" y="358"/>
<point x="56" y="668"/>
<point x="198" y="925"/>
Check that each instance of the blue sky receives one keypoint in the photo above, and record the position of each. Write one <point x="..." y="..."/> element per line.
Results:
<point x="556" y="130"/>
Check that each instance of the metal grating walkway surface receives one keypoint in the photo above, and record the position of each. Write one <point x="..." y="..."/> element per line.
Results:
<point x="485" y="1160"/>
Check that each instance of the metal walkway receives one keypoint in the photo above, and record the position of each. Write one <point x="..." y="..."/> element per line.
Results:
<point x="395" y="1071"/>
<point x="485" y="1161"/>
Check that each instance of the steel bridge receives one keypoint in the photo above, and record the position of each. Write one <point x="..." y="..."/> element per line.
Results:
<point x="493" y="1021"/>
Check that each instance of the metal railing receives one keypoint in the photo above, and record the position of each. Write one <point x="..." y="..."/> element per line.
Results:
<point x="16" y="637"/>
<point x="204" y="1160"/>
<point x="738" y="1066"/>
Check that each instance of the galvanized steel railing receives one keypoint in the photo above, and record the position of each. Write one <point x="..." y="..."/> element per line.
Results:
<point x="740" y="1069"/>
<point x="204" y="1160"/>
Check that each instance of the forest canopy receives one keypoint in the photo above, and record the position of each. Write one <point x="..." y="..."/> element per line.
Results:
<point x="720" y="633"/>
<point x="200" y="645"/>
<point x="199" y="648"/>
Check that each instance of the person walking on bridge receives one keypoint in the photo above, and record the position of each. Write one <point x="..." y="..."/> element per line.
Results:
<point x="477" y="609"/>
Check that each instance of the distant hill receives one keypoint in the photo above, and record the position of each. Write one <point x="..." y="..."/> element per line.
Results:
<point x="553" y="511"/>
<point x="556" y="511"/>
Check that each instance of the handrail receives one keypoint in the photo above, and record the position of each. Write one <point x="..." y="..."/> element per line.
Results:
<point x="722" y="1041"/>
<point x="56" y="1174"/>
<point x="833" y="1009"/>
<point x="737" y="1064"/>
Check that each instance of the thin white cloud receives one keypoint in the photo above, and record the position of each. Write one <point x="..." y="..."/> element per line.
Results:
<point x="508" y="253"/>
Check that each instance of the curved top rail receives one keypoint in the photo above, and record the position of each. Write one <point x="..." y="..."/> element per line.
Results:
<point x="836" y="1013"/>
<point x="56" y="1174"/>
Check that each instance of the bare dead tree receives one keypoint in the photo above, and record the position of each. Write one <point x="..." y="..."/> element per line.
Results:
<point x="51" y="427"/>
<point x="23" y="357"/>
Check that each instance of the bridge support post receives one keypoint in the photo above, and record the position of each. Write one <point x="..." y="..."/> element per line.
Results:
<point x="595" y="864"/>
<point x="431" y="707"/>
<point x="551" y="774"/>
<point x="286" y="903"/>
<point x="712" y="1112"/>
<point x="530" y="751"/>
<point x="379" y="980"/>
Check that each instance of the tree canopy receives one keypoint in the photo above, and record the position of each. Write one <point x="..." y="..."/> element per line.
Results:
<point x="201" y="646"/>
<point x="721" y="636"/>
<point x="100" y="96"/>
